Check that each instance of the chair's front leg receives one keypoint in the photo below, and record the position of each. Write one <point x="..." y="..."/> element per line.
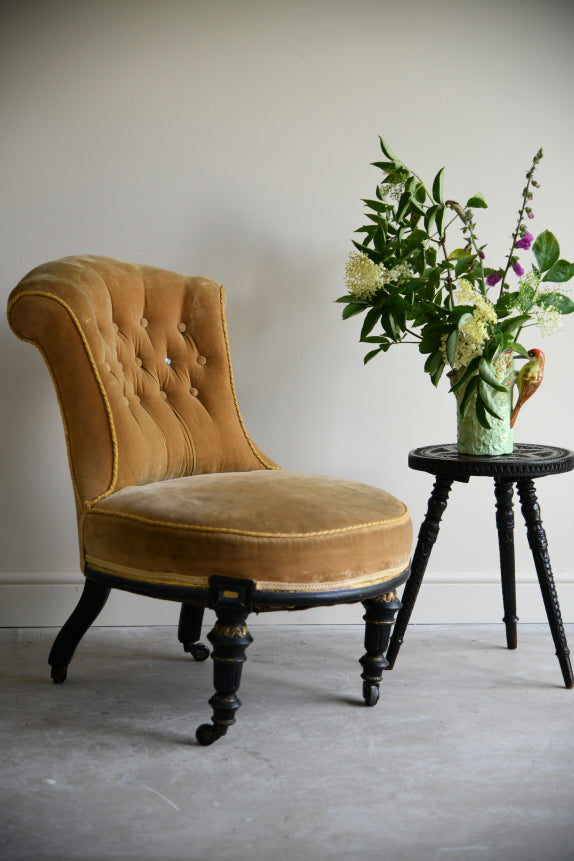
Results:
<point x="90" y="605"/>
<point x="379" y="617"/>
<point x="230" y="639"/>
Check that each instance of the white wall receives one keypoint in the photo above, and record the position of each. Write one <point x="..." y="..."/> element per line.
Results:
<point x="232" y="138"/>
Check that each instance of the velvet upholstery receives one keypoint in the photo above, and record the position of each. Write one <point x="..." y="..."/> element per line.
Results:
<point x="174" y="500"/>
<point x="169" y="486"/>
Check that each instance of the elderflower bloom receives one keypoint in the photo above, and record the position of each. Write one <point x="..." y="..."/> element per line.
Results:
<point x="475" y="331"/>
<point x="549" y="321"/>
<point x="362" y="276"/>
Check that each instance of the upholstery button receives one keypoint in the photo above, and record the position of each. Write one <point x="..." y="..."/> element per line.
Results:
<point x="136" y="399"/>
<point x="116" y="327"/>
<point x="193" y="392"/>
<point x="162" y="394"/>
<point x="139" y="362"/>
<point x="167" y="360"/>
<point x="201" y="360"/>
<point x="143" y="322"/>
<point x="107" y="366"/>
<point x="181" y="327"/>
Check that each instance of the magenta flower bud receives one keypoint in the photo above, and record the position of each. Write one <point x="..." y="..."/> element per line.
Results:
<point x="530" y="214"/>
<point x="525" y="241"/>
<point x="493" y="279"/>
<point x="518" y="270"/>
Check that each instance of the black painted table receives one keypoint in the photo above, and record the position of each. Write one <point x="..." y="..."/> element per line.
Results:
<point x="526" y="463"/>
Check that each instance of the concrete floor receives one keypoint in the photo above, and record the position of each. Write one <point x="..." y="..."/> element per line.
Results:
<point x="468" y="755"/>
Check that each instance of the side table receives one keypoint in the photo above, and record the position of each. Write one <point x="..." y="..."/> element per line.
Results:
<point x="526" y="463"/>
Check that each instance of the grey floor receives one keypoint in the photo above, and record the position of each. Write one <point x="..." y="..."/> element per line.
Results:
<point x="468" y="755"/>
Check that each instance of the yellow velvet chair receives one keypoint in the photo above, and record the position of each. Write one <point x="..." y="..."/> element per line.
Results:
<point x="174" y="500"/>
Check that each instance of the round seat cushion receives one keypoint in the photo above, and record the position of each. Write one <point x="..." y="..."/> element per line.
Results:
<point x="283" y="530"/>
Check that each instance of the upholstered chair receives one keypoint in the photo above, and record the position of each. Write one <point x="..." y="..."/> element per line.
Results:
<point x="174" y="500"/>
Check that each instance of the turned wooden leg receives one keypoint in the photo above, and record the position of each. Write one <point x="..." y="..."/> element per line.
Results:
<point x="503" y="490"/>
<point x="539" y="547"/>
<point x="427" y="536"/>
<point x="379" y="617"/>
<point x="230" y="639"/>
<point x="189" y="631"/>
<point x="89" y="607"/>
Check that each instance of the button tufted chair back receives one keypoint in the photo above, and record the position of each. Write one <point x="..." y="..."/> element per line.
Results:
<point x="140" y="359"/>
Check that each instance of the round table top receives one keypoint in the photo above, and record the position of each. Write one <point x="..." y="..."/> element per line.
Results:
<point x="526" y="461"/>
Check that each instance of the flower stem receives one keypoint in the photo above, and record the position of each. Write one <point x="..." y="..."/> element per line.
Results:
<point x="525" y="193"/>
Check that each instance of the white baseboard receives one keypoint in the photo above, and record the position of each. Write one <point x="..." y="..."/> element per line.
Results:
<point x="46" y="600"/>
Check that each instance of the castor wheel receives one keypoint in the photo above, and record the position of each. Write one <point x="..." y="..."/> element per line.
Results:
<point x="59" y="674"/>
<point x="207" y="733"/>
<point x="198" y="651"/>
<point x="370" y="694"/>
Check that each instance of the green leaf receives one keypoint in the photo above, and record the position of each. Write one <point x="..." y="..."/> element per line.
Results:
<point x="514" y="323"/>
<point x="481" y="414"/>
<point x="488" y="374"/>
<point x="352" y="309"/>
<point x="437" y="374"/>
<point x="440" y="218"/>
<point x="560" y="272"/>
<point x="451" y="342"/>
<point x="477" y="201"/>
<point x="371" y="319"/>
<point x="557" y="302"/>
<point x="388" y="152"/>
<point x="546" y="250"/>
<point x="371" y="355"/>
<point x="430" y="217"/>
<point x="463" y="264"/>
<point x="470" y="369"/>
<point x="463" y="319"/>
<point x="518" y="348"/>
<point x="506" y="303"/>
<point x="403" y="206"/>
<point x="438" y="186"/>
<point x="471" y="387"/>
<point x="487" y="396"/>
<point x="433" y="362"/>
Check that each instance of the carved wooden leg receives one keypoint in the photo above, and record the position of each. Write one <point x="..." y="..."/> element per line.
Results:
<point x="379" y="616"/>
<point x="189" y="631"/>
<point x="503" y="490"/>
<point x="539" y="547"/>
<point x="230" y="639"/>
<point x="88" y="608"/>
<point x="427" y="536"/>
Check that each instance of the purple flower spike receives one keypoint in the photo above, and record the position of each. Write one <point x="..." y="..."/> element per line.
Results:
<point x="518" y="270"/>
<point x="525" y="241"/>
<point x="493" y="279"/>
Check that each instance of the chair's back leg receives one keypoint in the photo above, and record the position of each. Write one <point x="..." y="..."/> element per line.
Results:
<point x="189" y="631"/>
<point x="89" y="607"/>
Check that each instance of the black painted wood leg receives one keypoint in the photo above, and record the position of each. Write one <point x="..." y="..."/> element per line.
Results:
<point x="379" y="617"/>
<point x="503" y="490"/>
<point x="539" y="547"/>
<point x="230" y="639"/>
<point x="189" y="631"/>
<point x="428" y="534"/>
<point x="88" y="608"/>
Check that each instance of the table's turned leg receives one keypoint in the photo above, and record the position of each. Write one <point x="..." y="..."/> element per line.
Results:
<point x="427" y="536"/>
<point x="503" y="490"/>
<point x="539" y="546"/>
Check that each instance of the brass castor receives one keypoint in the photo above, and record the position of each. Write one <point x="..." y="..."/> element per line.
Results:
<point x="207" y="733"/>
<point x="59" y="674"/>
<point x="198" y="651"/>
<point x="370" y="694"/>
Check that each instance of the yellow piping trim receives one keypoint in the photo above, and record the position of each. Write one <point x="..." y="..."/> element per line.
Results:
<point x="250" y="442"/>
<point x="170" y="578"/>
<point x="76" y="322"/>
<point x="191" y="527"/>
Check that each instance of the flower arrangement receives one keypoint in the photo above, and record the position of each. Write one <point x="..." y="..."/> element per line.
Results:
<point x="413" y="289"/>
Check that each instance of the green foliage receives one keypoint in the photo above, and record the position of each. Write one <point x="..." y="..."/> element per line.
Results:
<point x="416" y="299"/>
